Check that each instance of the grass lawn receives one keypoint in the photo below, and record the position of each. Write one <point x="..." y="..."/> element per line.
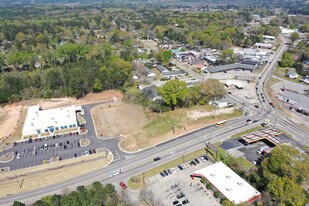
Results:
<point x="171" y="124"/>
<point x="281" y="72"/>
<point x="254" y="129"/>
<point x="285" y="133"/>
<point x="138" y="181"/>
<point x="306" y="147"/>
<point x="227" y="158"/>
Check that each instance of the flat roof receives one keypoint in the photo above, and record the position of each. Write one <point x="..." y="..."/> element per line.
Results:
<point x="230" y="184"/>
<point x="230" y="67"/>
<point x="38" y="121"/>
<point x="302" y="100"/>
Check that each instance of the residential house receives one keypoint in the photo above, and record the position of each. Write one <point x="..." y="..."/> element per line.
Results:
<point x="291" y="74"/>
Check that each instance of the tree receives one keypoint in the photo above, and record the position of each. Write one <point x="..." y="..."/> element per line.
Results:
<point x="146" y="196"/>
<point x="174" y="92"/>
<point x="97" y="85"/>
<point x="212" y="89"/>
<point x="227" y="203"/>
<point x="164" y="56"/>
<point x="293" y="37"/>
<point x="2" y="57"/>
<point x="286" y="191"/>
<point x="17" y="203"/>
<point x="287" y="60"/>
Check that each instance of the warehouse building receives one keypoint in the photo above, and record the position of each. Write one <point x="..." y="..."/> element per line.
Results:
<point x="42" y="123"/>
<point x="230" y="185"/>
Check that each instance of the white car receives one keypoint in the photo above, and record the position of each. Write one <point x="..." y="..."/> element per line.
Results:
<point x="18" y="156"/>
<point x="86" y="153"/>
<point x="203" y="158"/>
<point x="172" y="153"/>
<point x="116" y="172"/>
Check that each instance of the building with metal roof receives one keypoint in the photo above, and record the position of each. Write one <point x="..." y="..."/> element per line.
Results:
<point x="228" y="67"/>
<point x="230" y="185"/>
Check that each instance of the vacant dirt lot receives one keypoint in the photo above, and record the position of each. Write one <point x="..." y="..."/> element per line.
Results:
<point x="13" y="115"/>
<point x="41" y="176"/>
<point x="118" y="117"/>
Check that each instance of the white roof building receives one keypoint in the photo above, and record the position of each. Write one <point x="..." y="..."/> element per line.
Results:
<point x="229" y="184"/>
<point x="45" y="122"/>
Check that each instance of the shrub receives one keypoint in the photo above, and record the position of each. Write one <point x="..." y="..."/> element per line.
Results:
<point x="208" y="186"/>
<point x="217" y="194"/>
<point x="203" y="180"/>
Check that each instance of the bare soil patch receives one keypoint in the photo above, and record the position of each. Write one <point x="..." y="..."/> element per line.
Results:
<point x="118" y="118"/>
<point x="9" y="156"/>
<point x="12" y="116"/>
<point x="49" y="174"/>
<point x="84" y="142"/>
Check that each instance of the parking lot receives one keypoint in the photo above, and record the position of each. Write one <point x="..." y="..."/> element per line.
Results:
<point x="40" y="151"/>
<point x="177" y="188"/>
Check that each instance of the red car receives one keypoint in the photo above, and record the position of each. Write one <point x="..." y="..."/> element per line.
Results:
<point x="124" y="186"/>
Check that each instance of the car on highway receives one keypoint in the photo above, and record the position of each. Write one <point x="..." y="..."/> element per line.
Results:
<point x="172" y="153"/>
<point x="116" y="172"/>
<point x="156" y="159"/>
<point x="124" y="186"/>
<point x="255" y="121"/>
<point x="185" y="202"/>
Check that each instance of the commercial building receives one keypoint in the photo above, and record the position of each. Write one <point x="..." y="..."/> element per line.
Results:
<point x="263" y="45"/>
<point x="229" y="184"/>
<point x="41" y="123"/>
<point x="297" y="101"/>
<point x="227" y="67"/>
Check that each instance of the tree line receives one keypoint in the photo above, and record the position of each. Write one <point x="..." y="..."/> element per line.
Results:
<point x="96" y="195"/>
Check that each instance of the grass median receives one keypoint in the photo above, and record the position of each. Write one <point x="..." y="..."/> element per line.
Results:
<point x="138" y="181"/>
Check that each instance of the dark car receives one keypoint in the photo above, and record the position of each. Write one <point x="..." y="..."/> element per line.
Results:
<point x="165" y="172"/>
<point x="180" y="195"/>
<point x="185" y="202"/>
<point x="196" y="160"/>
<point x="254" y="121"/>
<point x="64" y="147"/>
<point x="68" y="142"/>
<point x="169" y="171"/>
<point x="192" y="163"/>
<point x="90" y="151"/>
<point x="93" y="151"/>
<point x="156" y="159"/>
<point x="229" y="92"/>
<point x="60" y="144"/>
<point x="180" y="167"/>
<point x="75" y="155"/>
<point x="256" y="106"/>
<point x="162" y="174"/>
<point x="175" y="202"/>
<point x="78" y="144"/>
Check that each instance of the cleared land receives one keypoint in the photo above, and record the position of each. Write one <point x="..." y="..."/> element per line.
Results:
<point x="174" y="123"/>
<point x="281" y="72"/>
<point x="41" y="176"/>
<point x="117" y="117"/>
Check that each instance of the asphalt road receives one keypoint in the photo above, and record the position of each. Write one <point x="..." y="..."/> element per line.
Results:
<point x="138" y="162"/>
